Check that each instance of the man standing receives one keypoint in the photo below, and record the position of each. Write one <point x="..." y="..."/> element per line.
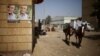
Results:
<point x="11" y="14"/>
<point x="23" y="13"/>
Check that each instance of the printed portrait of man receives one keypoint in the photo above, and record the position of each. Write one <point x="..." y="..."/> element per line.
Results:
<point x="11" y="14"/>
<point x="23" y="12"/>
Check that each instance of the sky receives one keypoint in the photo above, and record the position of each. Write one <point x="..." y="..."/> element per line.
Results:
<point x="58" y="8"/>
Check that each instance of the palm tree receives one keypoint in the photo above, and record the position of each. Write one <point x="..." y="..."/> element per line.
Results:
<point x="48" y="19"/>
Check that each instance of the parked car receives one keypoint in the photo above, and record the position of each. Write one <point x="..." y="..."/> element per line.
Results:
<point x="89" y="27"/>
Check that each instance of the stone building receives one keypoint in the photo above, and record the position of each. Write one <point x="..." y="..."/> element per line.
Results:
<point x="87" y="9"/>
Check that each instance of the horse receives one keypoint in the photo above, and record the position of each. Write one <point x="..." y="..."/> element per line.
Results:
<point x="68" y="31"/>
<point x="79" y="34"/>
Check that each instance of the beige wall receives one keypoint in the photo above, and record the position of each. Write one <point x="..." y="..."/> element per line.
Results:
<point x="14" y="36"/>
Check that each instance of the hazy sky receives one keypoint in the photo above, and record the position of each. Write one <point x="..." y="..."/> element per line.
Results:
<point x="58" y="8"/>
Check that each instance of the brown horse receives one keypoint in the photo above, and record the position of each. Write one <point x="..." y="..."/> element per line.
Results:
<point x="79" y="34"/>
<point x="68" y="31"/>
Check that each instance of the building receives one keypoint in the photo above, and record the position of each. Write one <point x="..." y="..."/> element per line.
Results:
<point x="16" y="35"/>
<point x="59" y="21"/>
<point x="68" y="19"/>
<point x="87" y="9"/>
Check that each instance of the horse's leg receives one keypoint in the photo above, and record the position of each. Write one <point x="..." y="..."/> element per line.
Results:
<point x="70" y="34"/>
<point x="80" y="40"/>
<point x="76" y="37"/>
<point x="66" y="36"/>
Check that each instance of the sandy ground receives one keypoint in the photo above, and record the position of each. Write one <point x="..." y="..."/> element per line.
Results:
<point x="53" y="45"/>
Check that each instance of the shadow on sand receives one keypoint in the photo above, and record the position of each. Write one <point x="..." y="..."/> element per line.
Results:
<point x="66" y="41"/>
<point x="75" y="44"/>
<point x="72" y="43"/>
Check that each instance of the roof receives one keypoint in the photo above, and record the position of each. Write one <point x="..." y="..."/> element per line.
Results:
<point x="70" y="18"/>
<point x="37" y="1"/>
<point x="58" y="18"/>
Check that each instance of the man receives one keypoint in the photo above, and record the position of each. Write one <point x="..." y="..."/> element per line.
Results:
<point x="23" y="15"/>
<point x="72" y="23"/>
<point x="72" y="27"/>
<point x="78" y="31"/>
<point x="11" y="14"/>
<point x="78" y="23"/>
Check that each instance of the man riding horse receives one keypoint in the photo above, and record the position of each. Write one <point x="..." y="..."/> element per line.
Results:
<point x="79" y="31"/>
<point x="77" y="27"/>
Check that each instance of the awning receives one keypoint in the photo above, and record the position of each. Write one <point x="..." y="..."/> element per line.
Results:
<point x="37" y="1"/>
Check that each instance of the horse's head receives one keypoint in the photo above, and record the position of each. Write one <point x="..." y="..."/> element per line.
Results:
<point x="81" y="29"/>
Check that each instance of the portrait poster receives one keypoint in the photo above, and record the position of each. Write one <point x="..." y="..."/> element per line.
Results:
<point x="19" y="12"/>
